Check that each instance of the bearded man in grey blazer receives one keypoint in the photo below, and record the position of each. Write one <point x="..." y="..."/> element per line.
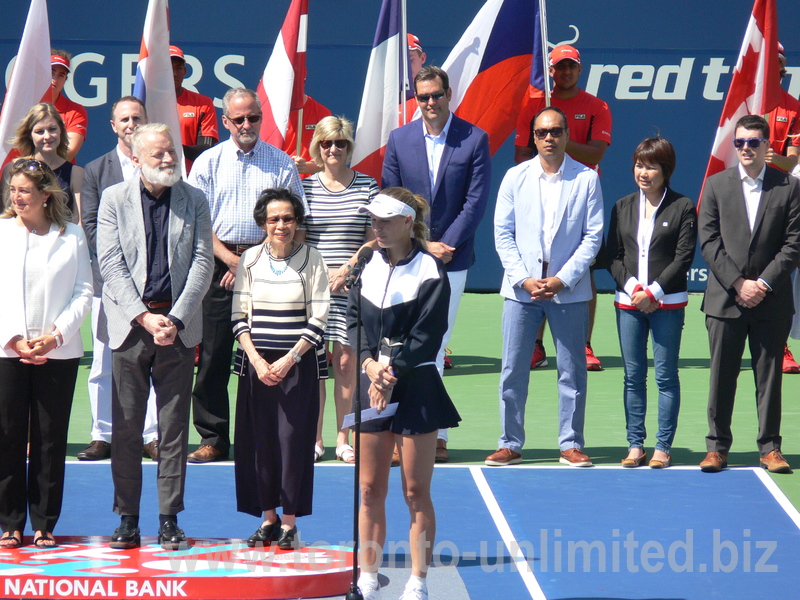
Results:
<point x="155" y="252"/>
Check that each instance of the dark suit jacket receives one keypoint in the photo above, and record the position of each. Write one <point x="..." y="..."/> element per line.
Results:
<point x="459" y="199"/>
<point x="770" y="252"/>
<point x="672" y="245"/>
<point x="98" y="175"/>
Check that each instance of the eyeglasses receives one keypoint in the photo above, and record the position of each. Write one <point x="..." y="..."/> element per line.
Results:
<point x="276" y="220"/>
<point x="753" y="143"/>
<point x="28" y="164"/>
<point x="424" y="98"/>
<point x="556" y="132"/>
<point x="241" y="120"/>
<point x="338" y="143"/>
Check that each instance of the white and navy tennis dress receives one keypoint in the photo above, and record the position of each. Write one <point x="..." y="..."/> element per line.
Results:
<point x="406" y="303"/>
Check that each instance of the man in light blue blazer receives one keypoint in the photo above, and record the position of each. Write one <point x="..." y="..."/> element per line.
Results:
<point x="446" y="160"/>
<point x="155" y="251"/>
<point x="548" y="227"/>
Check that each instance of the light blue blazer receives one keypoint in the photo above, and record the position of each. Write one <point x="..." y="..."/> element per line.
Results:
<point x="518" y="230"/>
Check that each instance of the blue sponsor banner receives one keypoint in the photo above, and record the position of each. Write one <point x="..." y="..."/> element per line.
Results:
<point x="662" y="67"/>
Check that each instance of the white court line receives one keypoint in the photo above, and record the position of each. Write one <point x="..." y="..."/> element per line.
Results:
<point x="778" y="494"/>
<point x="524" y="569"/>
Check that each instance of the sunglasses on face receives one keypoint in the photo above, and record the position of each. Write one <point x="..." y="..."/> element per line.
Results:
<point x="241" y="120"/>
<point x="276" y="220"/>
<point x="424" y="98"/>
<point x="752" y="143"/>
<point x="556" y="132"/>
<point x="326" y="144"/>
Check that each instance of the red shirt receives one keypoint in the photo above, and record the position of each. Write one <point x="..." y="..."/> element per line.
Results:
<point x="588" y="118"/>
<point x="198" y="118"/>
<point x="313" y="112"/>
<point x="783" y="122"/>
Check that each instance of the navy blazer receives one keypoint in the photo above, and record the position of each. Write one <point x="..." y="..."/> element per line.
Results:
<point x="769" y="252"/>
<point x="458" y="201"/>
<point x="98" y="175"/>
<point x="672" y="244"/>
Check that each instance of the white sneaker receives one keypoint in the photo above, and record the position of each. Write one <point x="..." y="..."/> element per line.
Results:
<point x="371" y="590"/>
<point x="413" y="594"/>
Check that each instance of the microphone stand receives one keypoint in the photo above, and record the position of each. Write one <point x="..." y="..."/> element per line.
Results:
<point x="354" y="593"/>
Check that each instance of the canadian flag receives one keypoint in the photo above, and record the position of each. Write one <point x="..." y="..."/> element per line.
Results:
<point x="755" y="87"/>
<point x="281" y="89"/>
<point x="30" y="76"/>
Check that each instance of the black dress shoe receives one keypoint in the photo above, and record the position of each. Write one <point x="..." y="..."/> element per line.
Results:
<point x="97" y="450"/>
<point x="125" y="536"/>
<point x="265" y="534"/>
<point x="287" y="539"/>
<point x="171" y="537"/>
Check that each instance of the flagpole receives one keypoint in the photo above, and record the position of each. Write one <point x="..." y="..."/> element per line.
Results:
<point x="404" y="55"/>
<point x="545" y="52"/>
<point x="300" y="132"/>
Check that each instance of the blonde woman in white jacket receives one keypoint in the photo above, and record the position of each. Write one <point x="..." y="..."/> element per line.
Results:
<point x="47" y="280"/>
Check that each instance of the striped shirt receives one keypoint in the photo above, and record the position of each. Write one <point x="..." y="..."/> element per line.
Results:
<point x="278" y="309"/>
<point x="232" y="180"/>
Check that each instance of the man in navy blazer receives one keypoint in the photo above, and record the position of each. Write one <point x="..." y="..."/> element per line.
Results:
<point x="446" y="160"/>
<point x="749" y="232"/>
<point x="112" y="168"/>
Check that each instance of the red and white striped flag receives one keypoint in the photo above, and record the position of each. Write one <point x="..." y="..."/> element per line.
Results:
<point x="30" y="78"/>
<point x="155" y="85"/>
<point x="282" y="86"/>
<point x="755" y="87"/>
<point x="384" y="91"/>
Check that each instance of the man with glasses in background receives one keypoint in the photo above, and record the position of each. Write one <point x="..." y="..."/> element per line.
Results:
<point x="589" y="122"/>
<point x="232" y="175"/>
<point x="446" y="160"/>
<point x="548" y="226"/>
<point x="749" y="234"/>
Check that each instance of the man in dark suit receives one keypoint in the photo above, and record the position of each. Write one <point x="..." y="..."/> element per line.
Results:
<point x="155" y="252"/>
<point x="749" y="231"/>
<point x="127" y="114"/>
<point x="446" y="160"/>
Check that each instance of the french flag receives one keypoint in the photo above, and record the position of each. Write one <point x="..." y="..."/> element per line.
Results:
<point x="384" y="89"/>
<point x="490" y="67"/>
<point x="281" y="89"/>
<point x="755" y="87"/>
<point x="30" y="78"/>
<point x="155" y="85"/>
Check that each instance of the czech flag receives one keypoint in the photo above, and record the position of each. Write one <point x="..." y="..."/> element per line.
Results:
<point x="155" y="85"/>
<point x="755" y="87"/>
<point x="30" y="78"/>
<point x="384" y="90"/>
<point x="490" y="67"/>
<point x="281" y="89"/>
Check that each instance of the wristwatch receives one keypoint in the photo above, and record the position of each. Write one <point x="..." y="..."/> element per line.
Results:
<point x="297" y="358"/>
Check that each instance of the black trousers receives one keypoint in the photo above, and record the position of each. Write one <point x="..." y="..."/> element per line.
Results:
<point x="171" y="367"/>
<point x="210" y="401"/>
<point x="43" y="393"/>
<point x="727" y="339"/>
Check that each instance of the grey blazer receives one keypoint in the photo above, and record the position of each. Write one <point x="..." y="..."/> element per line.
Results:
<point x="122" y="252"/>
<point x="98" y="175"/>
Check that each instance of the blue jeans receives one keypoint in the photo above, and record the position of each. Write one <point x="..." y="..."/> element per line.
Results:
<point x="569" y="324"/>
<point x="666" y="327"/>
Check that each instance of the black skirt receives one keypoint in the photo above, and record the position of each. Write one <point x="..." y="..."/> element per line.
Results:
<point x="423" y="404"/>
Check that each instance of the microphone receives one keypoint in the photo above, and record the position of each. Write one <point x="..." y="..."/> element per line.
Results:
<point x="355" y="273"/>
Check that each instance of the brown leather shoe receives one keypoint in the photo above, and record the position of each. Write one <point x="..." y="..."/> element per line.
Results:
<point x="395" y="458"/>
<point x="775" y="463"/>
<point x="574" y="457"/>
<point x="442" y="455"/>
<point x="630" y="463"/>
<point x="714" y="462"/>
<point x="206" y="453"/>
<point x="503" y="457"/>
<point x="150" y="450"/>
<point x="97" y="450"/>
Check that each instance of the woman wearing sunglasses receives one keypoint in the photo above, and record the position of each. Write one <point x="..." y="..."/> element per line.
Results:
<point x="337" y="229"/>
<point x="651" y="245"/>
<point x="42" y="133"/>
<point x="47" y="281"/>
